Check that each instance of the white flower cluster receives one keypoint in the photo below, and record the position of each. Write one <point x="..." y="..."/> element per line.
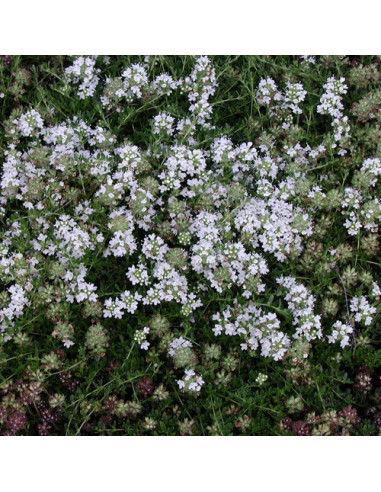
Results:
<point x="126" y="302"/>
<point x="181" y="167"/>
<point x="171" y="286"/>
<point x="29" y="123"/>
<point x="191" y="382"/>
<point x="229" y="263"/>
<point x="352" y="200"/>
<point x="341" y="129"/>
<point x="14" y="309"/>
<point x="340" y="333"/>
<point x="238" y="160"/>
<point x="267" y="92"/>
<point x="74" y="240"/>
<point x="301" y="304"/>
<point x="129" y="86"/>
<point x="261" y="379"/>
<point x="163" y="124"/>
<point x="138" y="275"/>
<point x="77" y="287"/>
<point x="376" y="290"/>
<point x="141" y="337"/>
<point x="283" y="105"/>
<point x="200" y="86"/>
<point x="362" y="309"/>
<point x="331" y="101"/>
<point x="255" y="327"/>
<point x="123" y="242"/>
<point x="154" y="247"/>
<point x="178" y="343"/>
<point x="308" y="59"/>
<point x="83" y="71"/>
<point x="372" y="167"/>
<point x="164" y="84"/>
<point x="360" y="214"/>
<point x="135" y="79"/>
<point x="275" y="224"/>
<point x="294" y="95"/>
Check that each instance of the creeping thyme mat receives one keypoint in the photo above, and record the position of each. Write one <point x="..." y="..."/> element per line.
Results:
<point x="189" y="245"/>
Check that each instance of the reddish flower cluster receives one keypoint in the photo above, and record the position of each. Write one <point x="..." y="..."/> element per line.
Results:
<point x="301" y="429"/>
<point x="16" y="421"/>
<point x="363" y="381"/>
<point x="70" y="383"/>
<point x="350" y="414"/>
<point x="145" y="386"/>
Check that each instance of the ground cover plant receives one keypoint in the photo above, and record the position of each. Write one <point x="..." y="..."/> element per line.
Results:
<point x="190" y="245"/>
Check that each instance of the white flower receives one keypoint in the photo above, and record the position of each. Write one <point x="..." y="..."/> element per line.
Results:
<point x="68" y="343"/>
<point x="340" y="333"/>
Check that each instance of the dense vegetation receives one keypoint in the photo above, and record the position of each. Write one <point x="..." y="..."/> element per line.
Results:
<point x="189" y="245"/>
